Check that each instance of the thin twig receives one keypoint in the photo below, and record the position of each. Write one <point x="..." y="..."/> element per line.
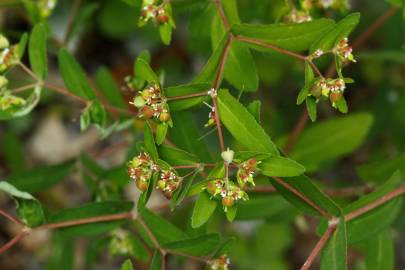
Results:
<point x="374" y="27"/>
<point x="151" y="236"/>
<point x="13" y="241"/>
<point x="319" y="246"/>
<point x="215" y="86"/>
<point x="28" y="71"/>
<point x="272" y="47"/>
<point x="221" y="12"/>
<point x="368" y="207"/>
<point x="187" y="96"/>
<point x="24" y="88"/>
<point x="11" y="218"/>
<point x="303" y="197"/>
<point x="89" y="220"/>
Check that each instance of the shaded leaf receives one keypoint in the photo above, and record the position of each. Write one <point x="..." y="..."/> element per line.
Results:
<point x="199" y="246"/>
<point x="74" y="76"/>
<point x="37" y="51"/>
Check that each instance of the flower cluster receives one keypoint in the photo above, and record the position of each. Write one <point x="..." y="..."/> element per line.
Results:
<point x="140" y="169"/>
<point x="246" y="172"/>
<point x="150" y="11"/>
<point x="169" y="181"/>
<point x="8" y="56"/>
<point x="221" y="263"/>
<point x="7" y="100"/>
<point x="344" y="51"/>
<point x="152" y="104"/>
<point x="330" y="88"/>
<point x="227" y="191"/>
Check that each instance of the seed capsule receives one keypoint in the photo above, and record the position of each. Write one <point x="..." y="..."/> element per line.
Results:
<point x="147" y="111"/>
<point x="335" y="96"/>
<point x="164" y="117"/>
<point x="161" y="184"/>
<point x="139" y="102"/>
<point x="227" y="201"/>
<point x="142" y="185"/>
<point x="211" y="188"/>
<point x="147" y="93"/>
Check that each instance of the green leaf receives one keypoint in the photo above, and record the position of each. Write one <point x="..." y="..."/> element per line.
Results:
<point x="203" y="209"/>
<point x="175" y="156"/>
<point x="187" y="135"/>
<point x="242" y="125"/>
<point x="127" y="265"/>
<point x="163" y="230"/>
<point x="156" y="261"/>
<point x="231" y="212"/>
<point x="144" y="71"/>
<point x="240" y="67"/>
<point x="379" y="251"/>
<point x="165" y="31"/>
<point x="40" y="178"/>
<point x="109" y="88"/>
<point x="305" y="186"/>
<point x="380" y="171"/>
<point x="29" y="209"/>
<point x="207" y="74"/>
<point x="309" y="78"/>
<point x="37" y="51"/>
<point x="200" y="246"/>
<point x="331" y="139"/>
<point x="89" y="210"/>
<point x="372" y="222"/>
<point x="341" y="30"/>
<point x="334" y="254"/>
<point x="254" y="108"/>
<point x="73" y="75"/>
<point x="280" y="166"/>
<point x="294" y="37"/>
<point x="22" y="44"/>
<point x="311" y="108"/>
<point x="186" y="89"/>
<point x="150" y="142"/>
<point x="161" y="131"/>
<point x="26" y="108"/>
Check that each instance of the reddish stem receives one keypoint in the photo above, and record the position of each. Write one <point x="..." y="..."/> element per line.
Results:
<point x="12" y="218"/>
<point x="188" y="96"/>
<point x="303" y="197"/>
<point x="222" y="15"/>
<point x="272" y="47"/>
<point x="387" y="197"/>
<point x="319" y="246"/>
<point x="13" y="241"/>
